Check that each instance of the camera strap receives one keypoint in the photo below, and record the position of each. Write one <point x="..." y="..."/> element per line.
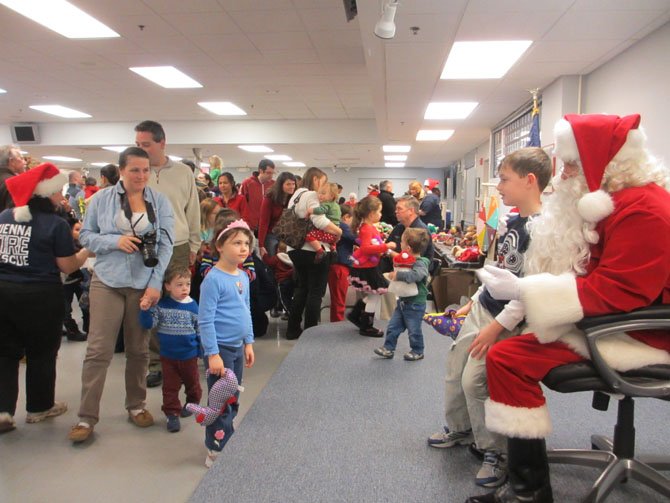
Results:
<point x="128" y="212"/>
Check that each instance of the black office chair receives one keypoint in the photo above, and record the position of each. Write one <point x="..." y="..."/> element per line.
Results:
<point x="617" y="458"/>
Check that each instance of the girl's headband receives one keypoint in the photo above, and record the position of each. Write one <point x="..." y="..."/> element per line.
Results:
<point x="237" y="224"/>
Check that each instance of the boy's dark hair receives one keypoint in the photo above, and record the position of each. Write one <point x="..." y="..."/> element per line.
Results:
<point x="131" y="152"/>
<point x="176" y="272"/>
<point x="345" y="209"/>
<point x="90" y="181"/>
<point x="530" y="160"/>
<point x="153" y="127"/>
<point x="417" y="239"/>
<point x="111" y="172"/>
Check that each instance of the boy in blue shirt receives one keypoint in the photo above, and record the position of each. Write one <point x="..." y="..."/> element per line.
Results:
<point x="176" y="319"/>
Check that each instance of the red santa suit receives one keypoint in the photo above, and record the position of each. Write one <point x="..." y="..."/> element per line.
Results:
<point x="624" y="273"/>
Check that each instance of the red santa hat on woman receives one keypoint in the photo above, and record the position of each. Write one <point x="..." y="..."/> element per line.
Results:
<point x="595" y="141"/>
<point x="43" y="180"/>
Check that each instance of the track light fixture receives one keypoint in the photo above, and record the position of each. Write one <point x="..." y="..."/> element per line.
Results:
<point x="385" y="27"/>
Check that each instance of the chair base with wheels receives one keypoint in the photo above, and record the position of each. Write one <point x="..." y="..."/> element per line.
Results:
<point x="616" y="458"/>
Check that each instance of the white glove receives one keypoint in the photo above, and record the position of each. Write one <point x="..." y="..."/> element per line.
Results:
<point x="501" y="284"/>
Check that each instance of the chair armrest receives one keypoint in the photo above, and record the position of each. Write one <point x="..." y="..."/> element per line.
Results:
<point x="651" y="318"/>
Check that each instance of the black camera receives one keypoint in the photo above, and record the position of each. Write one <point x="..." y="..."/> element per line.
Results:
<point x="148" y="248"/>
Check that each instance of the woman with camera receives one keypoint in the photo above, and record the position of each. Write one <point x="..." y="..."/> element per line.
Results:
<point x="130" y="228"/>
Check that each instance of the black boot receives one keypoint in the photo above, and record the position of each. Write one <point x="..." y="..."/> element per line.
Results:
<point x="367" y="326"/>
<point x="528" y="475"/>
<point x="72" y="331"/>
<point x="355" y="315"/>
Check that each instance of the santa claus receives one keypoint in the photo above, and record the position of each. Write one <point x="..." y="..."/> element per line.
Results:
<point x="610" y="192"/>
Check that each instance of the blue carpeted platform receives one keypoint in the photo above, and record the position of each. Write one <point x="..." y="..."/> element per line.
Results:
<point x="337" y="423"/>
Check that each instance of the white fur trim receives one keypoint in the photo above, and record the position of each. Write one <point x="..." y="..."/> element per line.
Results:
<point x="566" y="145"/>
<point x="517" y="422"/>
<point x="285" y="258"/>
<point x="620" y="351"/>
<point x="51" y="185"/>
<point x="551" y="303"/>
<point x="595" y="206"/>
<point x="633" y="147"/>
<point x="22" y="214"/>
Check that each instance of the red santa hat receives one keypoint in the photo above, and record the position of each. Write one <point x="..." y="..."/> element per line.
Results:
<point x="404" y="259"/>
<point x="430" y="183"/>
<point x="43" y="180"/>
<point x="596" y="140"/>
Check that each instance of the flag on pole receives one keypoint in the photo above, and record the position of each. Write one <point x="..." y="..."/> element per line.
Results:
<point x="534" y="133"/>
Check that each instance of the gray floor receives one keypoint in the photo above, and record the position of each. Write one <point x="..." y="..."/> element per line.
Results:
<point x="123" y="462"/>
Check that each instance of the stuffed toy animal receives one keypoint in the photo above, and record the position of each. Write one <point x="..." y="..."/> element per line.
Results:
<point x="360" y="258"/>
<point x="469" y="254"/>
<point x="221" y="395"/>
<point x="445" y="323"/>
<point x="402" y="262"/>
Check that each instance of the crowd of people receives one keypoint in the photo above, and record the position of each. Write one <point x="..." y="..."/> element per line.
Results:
<point x="183" y="266"/>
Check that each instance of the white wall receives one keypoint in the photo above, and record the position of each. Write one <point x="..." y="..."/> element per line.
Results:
<point x="352" y="179"/>
<point x="636" y="81"/>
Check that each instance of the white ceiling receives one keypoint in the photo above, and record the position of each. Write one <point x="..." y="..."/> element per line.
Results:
<point x="324" y="91"/>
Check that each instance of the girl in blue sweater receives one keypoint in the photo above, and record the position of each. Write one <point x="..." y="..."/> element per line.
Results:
<point x="224" y="318"/>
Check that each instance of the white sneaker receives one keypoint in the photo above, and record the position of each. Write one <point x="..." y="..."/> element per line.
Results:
<point x="57" y="409"/>
<point x="6" y="422"/>
<point x="211" y="457"/>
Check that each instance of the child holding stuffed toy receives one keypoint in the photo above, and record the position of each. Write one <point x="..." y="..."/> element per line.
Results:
<point x="410" y="276"/>
<point x="331" y="210"/>
<point x="523" y="176"/>
<point x="365" y="275"/>
<point x="176" y="319"/>
<point x="225" y="324"/>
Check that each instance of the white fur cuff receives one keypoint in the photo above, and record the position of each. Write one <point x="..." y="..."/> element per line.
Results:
<point x="517" y="422"/>
<point x="550" y="301"/>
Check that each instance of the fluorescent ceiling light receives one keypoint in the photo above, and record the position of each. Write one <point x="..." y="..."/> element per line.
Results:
<point x="294" y="164"/>
<point x="394" y="164"/>
<point x="175" y="157"/>
<point x="2" y="91"/>
<point x="60" y="111"/>
<point x="396" y="148"/>
<point x="278" y="157"/>
<point x="255" y="148"/>
<point x="483" y="60"/>
<point x="61" y="17"/>
<point x="222" y="107"/>
<point x="115" y="148"/>
<point x="61" y="158"/>
<point x="166" y="76"/>
<point x="205" y="165"/>
<point x="395" y="157"/>
<point x="434" y="134"/>
<point x="449" y="110"/>
<point x="99" y="164"/>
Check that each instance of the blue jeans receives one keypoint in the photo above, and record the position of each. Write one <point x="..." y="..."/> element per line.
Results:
<point x="406" y="316"/>
<point x="233" y="358"/>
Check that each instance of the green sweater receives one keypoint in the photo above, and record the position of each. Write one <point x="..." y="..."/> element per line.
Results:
<point x="417" y="274"/>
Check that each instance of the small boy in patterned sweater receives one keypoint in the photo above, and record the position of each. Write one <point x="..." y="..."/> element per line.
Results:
<point x="176" y="319"/>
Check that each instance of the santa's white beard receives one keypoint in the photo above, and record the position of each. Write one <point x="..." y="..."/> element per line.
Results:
<point x="560" y="238"/>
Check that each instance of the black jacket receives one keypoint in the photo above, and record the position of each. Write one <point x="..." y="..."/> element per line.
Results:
<point x="5" y="199"/>
<point x="388" y="207"/>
